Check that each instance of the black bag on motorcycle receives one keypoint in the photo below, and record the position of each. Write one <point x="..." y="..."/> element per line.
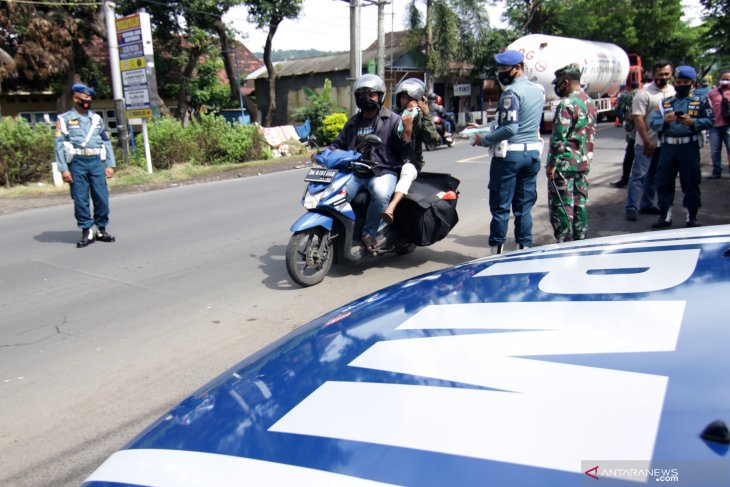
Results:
<point x="428" y="212"/>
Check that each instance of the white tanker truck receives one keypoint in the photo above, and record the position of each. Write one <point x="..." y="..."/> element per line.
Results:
<point x="604" y="66"/>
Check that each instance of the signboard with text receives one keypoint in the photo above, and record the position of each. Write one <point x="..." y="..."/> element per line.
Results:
<point x="134" y="37"/>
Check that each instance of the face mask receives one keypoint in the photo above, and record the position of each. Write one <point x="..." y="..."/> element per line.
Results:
<point x="683" y="91"/>
<point x="558" y="90"/>
<point x="366" y="104"/>
<point x="661" y="82"/>
<point x="84" y="104"/>
<point x="505" y="77"/>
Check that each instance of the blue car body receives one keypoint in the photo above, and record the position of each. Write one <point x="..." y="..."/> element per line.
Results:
<point x="562" y="365"/>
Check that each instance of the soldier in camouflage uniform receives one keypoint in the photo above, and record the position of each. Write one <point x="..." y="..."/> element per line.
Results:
<point x="569" y="160"/>
<point x="624" y="106"/>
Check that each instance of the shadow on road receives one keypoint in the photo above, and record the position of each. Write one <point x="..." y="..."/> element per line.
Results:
<point x="52" y="236"/>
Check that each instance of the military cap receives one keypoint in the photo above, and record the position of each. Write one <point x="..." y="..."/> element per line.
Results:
<point x="82" y="88"/>
<point x="685" y="72"/>
<point x="509" y="57"/>
<point x="571" y="71"/>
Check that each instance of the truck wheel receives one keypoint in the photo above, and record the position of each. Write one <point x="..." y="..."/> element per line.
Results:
<point x="307" y="263"/>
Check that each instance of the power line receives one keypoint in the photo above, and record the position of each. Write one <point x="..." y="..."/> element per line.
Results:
<point x="52" y="4"/>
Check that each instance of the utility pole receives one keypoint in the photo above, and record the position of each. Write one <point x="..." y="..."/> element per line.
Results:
<point x="111" y="37"/>
<point x="355" y="51"/>
<point x="381" y="38"/>
<point x="238" y="78"/>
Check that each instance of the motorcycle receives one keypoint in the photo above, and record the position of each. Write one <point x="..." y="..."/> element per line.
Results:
<point x="440" y="124"/>
<point x="330" y="230"/>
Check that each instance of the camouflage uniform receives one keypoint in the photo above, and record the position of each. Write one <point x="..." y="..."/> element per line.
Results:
<point x="424" y="132"/>
<point x="571" y="151"/>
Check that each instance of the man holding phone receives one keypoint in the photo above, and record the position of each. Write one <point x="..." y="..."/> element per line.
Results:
<point x="681" y="119"/>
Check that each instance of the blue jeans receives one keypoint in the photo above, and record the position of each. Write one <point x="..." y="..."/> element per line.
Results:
<point x="381" y="189"/>
<point x="512" y="183"/>
<point x="718" y="136"/>
<point x="642" y="182"/>
<point x="89" y="176"/>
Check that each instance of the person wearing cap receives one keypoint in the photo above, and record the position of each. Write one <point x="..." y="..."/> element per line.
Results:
<point x="641" y="191"/>
<point x="679" y="121"/>
<point x="86" y="160"/>
<point x="517" y="144"/>
<point x="569" y="159"/>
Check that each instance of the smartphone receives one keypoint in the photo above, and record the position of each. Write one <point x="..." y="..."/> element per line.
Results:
<point x="679" y="114"/>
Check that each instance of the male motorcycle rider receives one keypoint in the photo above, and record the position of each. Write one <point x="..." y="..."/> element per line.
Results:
<point x="447" y="118"/>
<point x="386" y="158"/>
<point x="412" y="102"/>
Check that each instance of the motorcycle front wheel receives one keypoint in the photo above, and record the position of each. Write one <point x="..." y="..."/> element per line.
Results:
<point x="309" y="256"/>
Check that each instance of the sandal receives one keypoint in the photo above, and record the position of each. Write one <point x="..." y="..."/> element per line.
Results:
<point x="370" y="243"/>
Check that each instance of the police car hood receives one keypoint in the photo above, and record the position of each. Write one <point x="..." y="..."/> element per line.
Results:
<point x="549" y="366"/>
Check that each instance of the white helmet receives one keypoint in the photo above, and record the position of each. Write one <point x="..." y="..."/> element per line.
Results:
<point x="413" y="87"/>
<point x="370" y="82"/>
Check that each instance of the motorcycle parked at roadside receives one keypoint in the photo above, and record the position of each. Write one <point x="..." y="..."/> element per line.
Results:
<point x="330" y="230"/>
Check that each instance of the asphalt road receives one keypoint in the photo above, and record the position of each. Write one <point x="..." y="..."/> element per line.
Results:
<point x="96" y="343"/>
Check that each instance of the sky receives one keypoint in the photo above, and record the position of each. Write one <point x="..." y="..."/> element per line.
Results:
<point x="325" y="25"/>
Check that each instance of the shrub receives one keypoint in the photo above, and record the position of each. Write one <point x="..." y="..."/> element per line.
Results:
<point x="223" y="143"/>
<point x="169" y="142"/>
<point x="331" y="127"/>
<point x="26" y="153"/>
<point x="320" y="106"/>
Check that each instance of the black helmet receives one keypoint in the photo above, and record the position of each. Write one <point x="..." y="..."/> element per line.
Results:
<point x="413" y="87"/>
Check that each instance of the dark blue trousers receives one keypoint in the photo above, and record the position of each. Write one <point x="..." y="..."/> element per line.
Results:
<point x="512" y="184"/>
<point x="89" y="177"/>
<point x="685" y="160"/>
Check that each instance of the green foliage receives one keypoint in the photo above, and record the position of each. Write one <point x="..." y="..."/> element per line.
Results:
<point x="331" y="127"/>
<point x="319" y="107"/>
<point x="717" y="31"/>
<point x="653" y="29"/>
<point x="170" y="144"/>
<point x="208" y="140"/>
<point x="26" y="153"/>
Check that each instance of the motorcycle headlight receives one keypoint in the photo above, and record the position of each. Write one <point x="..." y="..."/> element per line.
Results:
<point x="312" y="200"/>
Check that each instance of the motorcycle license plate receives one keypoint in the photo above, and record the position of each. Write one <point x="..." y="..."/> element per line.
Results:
<point x="316" y="175"/>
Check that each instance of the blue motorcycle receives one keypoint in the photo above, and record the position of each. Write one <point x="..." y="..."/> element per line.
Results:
<point x="330" y="230"/>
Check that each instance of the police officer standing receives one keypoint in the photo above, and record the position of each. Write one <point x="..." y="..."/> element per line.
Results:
<point x="681" y="119"/>
<point x="517" y="147"/>
<point x="571" y="152"/>
<point x="86" y="159"/>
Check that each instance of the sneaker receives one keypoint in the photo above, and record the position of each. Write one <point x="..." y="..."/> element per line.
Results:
<point x="619" y="184"/>
<point x="650" y="211"/>
<point x="631" y="215"/>
<point x="714" y="176"/>
<point x="87" y="237"/>
<point x="692" y="222"/>
<point x="103" y="236"/>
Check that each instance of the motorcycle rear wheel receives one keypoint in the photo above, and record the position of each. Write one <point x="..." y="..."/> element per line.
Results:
<point x="305" y="263"/>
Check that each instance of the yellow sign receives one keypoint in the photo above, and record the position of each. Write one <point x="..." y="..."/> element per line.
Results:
<point x="126" y="23"/>
<point x="134" y="63"/>
<point x="140" y="113"/>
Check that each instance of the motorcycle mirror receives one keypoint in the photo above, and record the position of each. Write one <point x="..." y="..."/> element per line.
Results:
<point x="373" y="140"/>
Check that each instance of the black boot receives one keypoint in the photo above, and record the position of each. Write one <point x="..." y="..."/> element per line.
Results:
<point x="664" y="220"/>
<point x="496" y="249"/>
<point x="692" y="218"/>
<point x="102" y="236"/>
<point x="87" y="237"/>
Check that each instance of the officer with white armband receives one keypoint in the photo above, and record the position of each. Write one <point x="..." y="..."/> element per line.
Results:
<point x="517" y="147"/>
<point x="86" y="160"/>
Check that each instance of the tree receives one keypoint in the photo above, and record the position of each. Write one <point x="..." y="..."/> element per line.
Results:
<point x="651" y="28"/>
<point x="718" y="30"/>
<point x="268" y="14"/>
<point x="42" y="46"/>
<point x="452" y="31"/>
